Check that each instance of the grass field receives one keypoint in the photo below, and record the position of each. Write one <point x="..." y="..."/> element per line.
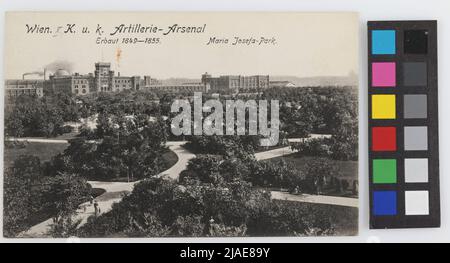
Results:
<point x="170" y="159"/>
<point x="343" y="219"/>
<point x="45" y="151"/>
<point x="348" y="169"/>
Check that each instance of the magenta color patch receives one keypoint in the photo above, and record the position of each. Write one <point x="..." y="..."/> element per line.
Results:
<point x="383" y="74"/>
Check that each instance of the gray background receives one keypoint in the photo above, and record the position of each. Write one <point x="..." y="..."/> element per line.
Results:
<point x="369" y="10"/>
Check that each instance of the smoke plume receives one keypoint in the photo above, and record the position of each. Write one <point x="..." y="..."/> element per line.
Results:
<point x="59" y="64"/>
<point x="37" y="73"/>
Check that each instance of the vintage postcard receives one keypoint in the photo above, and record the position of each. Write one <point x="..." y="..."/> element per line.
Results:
<point x="180" y="124"/>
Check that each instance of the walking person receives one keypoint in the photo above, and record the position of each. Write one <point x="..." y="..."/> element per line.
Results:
<point x="95" y="207"/>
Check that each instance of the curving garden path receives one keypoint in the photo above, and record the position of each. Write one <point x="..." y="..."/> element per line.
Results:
<point x="116" y="190"/>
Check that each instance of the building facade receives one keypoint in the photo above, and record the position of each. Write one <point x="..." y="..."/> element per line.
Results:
<point x="63" y="81"/>
<point x="188" y="87"/>
<point x="234" y="84"/>
<point x="15" y="88"/>
<point x="103" y="79"/>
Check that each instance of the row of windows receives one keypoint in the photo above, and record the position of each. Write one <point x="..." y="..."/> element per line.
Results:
<point x="83" y="86"/>
<point x="23" y="87"/>
<point x="19" y="92"/>
<point x="24" y="91"/>
<point x="80" y="81"/>
<point x="123" y="81"/>
<point x="83" y="91"/>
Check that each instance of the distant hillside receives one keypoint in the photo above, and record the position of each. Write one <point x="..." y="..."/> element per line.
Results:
<point x="351" y="80"/>
<point x="319" y="81"/>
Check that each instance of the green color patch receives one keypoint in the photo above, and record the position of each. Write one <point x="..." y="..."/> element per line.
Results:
<point x="385" y="171"/>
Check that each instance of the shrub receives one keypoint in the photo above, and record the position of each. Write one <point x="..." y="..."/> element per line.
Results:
<point x="275" y="174"/>
<point x="16" y="144"/>
<point x="313" y="147"/>
<point x="336" y="148"/>
<point x="66" y="129"/>
<point x="159" y="207"/>
<point x="318" y="171"/>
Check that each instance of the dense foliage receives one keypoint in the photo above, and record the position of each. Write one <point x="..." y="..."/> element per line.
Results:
<point x="161" y="208"/>
<point x="228" y="146"/>
<point x="316" y="109"/>
<point x="125" y="149"/>
<point x="217" y="195"/>
<point x="337" y="147"/>
<point x="31" y="197"/>
<point x="28" y="116"/>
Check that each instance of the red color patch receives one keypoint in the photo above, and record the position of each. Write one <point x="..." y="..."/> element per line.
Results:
<point x="384" y="139"/>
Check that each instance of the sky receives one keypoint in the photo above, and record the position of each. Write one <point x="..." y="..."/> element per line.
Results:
<point x="306" y="44"/>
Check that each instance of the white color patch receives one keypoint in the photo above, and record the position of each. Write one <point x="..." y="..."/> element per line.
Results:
<point x="417" y="203"/>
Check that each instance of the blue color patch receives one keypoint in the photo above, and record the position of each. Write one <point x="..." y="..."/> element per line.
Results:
<point x="383" y="42"/>
<point x="385" y="203"/>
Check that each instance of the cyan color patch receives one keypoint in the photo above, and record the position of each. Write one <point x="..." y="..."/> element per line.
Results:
<point x="383" y="42"/>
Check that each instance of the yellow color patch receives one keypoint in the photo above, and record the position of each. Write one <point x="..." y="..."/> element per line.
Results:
<point x="383" y="107"/>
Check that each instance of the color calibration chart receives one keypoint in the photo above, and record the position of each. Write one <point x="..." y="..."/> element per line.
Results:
<point x="403" y="124"/>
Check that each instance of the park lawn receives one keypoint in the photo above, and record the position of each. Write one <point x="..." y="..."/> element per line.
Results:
<point x="45" y="151"/>
<point x="344" y="219"/>
<point x="265" y="149"/>
<point x="169" y="158"/>
<point x="66" y="136"/>
<point x="348" y="169"/>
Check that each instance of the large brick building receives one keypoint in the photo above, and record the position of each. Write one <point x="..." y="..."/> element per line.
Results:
<point x="103" y="79"/>
<point x="17" y="87"/>
<point x="234" y="84"/>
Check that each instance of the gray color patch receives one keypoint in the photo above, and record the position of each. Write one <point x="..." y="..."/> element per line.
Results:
<point x="415" y="106"/>
<point x="416" y="138"/>
<point x="415" y="74"/>
<point x="416" y="170"/>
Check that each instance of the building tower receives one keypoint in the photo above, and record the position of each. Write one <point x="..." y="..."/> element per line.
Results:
<point x="103" y="76"/>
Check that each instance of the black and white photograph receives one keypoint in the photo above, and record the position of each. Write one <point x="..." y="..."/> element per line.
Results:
<point x="180" y="124"/>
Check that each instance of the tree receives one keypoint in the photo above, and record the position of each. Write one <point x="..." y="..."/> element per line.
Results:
<point x="35" y="117"/>
<point x="21" y="193"/>
<point x="241" y="147"/>
<point x="159" y="207"/>
<point x="14" y="124"/>
<point x="317" y="172"/>
<point x="275" y="174"/>
<point x="204" y="169"/>
<point x="29" y="194"/>
<point x="128" y="148"/>
<point x="62" y="194"/>
<point x="64" y="227"/>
